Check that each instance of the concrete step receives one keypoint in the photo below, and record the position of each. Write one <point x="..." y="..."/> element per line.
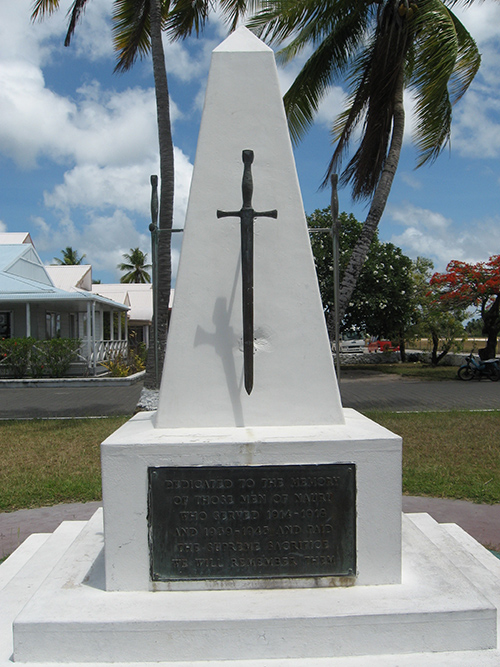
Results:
<point x="11" y="566"/>
<point x="480" y="566"/>
<point x="25" y="570"/>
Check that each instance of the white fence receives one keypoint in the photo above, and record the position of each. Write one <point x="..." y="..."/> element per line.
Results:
<point x="102" y="351"/>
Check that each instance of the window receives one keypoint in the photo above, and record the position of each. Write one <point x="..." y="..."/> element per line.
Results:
<point x="5" y="324"/>
<point x="73" y="326"/>
<point x="52" y="325"/>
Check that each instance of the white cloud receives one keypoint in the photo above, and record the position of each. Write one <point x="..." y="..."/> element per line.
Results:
<point x="482" y="20"/>
<point x="410" y="179"/>
<point x="476" y="128"/>
<point x="431" y="234"/>
<point x="32" y="118"/>
<point x="3" y="226"/>
<point x="413" y="216"/>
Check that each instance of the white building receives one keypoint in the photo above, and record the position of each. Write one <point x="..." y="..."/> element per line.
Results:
<point x="51" y="301"/>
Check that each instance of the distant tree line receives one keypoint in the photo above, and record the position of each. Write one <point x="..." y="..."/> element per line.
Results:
<point x="394" y="298"/>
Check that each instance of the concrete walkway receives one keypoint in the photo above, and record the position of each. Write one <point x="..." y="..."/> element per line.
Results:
<point x="480" y="521"/>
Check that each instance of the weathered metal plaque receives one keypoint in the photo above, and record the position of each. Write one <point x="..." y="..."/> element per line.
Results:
<point x="252" y="522"/>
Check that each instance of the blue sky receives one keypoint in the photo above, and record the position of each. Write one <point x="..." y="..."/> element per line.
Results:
<point x="78" y="144"/>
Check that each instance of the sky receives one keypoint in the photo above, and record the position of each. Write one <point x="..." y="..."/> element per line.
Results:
<point x="78" y="144"/>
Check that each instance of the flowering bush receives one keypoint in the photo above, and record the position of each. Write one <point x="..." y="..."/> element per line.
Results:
<point x="476" y="285"/>
<point x="15" y="355"/>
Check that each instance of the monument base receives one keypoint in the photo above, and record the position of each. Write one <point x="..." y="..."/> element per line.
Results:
<point x="220" y="478"/>
<point x="443" y="613"/>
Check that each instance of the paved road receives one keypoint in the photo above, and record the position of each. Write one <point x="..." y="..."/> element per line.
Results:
<point x="370" y="390"/>
<point x="362" y="390"/>
<point x="92" y="401"/>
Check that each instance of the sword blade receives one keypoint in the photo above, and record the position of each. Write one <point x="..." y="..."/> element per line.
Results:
<point x="247" y="216"/>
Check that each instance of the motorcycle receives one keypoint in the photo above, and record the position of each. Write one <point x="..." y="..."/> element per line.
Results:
<point x="476" y="368"/>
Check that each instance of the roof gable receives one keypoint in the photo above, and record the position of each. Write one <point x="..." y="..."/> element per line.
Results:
<point x="22" y="261"/>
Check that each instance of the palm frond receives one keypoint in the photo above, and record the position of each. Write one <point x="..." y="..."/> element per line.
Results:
<point x="234" y="10"/>
<point x="467" y="63"/>
<point x="446" y="61"/>
<point x="305" y="94"/>
<point x="131" y="37"/>
<point x="377" y="81"/>
<point x="186" y="16"/>
<point x="75" y="12"/>
<point x="41" y="8"/>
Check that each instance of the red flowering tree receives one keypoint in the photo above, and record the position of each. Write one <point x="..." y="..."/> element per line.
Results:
<point x="477" y="285"/>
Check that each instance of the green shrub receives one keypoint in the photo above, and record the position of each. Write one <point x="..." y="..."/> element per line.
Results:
<point x="59" y="353"/>
<point x="117" y="367"/>
<point x="38" y="358"/>
<point x="136" y="363"/>
<point x="15" y="352"/>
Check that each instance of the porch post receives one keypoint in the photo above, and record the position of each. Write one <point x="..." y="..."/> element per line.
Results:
<point x="94" y="364"/>
<point x="28" y="319"/>
<point x="111" y="325"/>
<point x="120" y="325"/>
<point x="89" y="336"/>
<point x="126" y="331"/>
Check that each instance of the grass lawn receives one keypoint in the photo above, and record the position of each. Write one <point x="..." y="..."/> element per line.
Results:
<point x="449" y="455"/>
<point x="45" y="462"/>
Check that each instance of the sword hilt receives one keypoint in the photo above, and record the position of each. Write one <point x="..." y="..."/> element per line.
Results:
<point x="247" y="181"/>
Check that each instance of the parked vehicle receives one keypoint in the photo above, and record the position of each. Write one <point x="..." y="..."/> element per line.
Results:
<point x="352" y="341"/>
<point x="477" y="369"/>
<point x="383" y="346"/>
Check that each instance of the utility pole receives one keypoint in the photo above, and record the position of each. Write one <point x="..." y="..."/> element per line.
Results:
<point x="334" y="231"/>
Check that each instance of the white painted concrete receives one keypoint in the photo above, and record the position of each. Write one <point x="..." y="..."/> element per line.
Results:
<point x="128" y="452"/>
<point x="203" y="375"/>
<point x="435" y="608"/>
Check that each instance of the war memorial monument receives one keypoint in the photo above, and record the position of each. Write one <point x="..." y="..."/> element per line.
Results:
<point x="251" y="520"/>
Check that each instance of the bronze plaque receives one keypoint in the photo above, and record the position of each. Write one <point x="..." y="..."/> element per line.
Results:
<point x="252" y="522"/>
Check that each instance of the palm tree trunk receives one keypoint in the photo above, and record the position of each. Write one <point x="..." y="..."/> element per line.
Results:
<point x="379" y="201"/>
<point x="166" y="208"/>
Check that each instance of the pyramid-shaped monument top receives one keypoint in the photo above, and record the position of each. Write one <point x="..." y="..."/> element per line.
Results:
<point x="245" y="199"/>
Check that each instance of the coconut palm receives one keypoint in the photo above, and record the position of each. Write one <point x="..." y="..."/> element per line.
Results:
<point x="137" y="28"/>
<point x="381" y="47"/>
<point x="69" y="257"/>
<point x="135" y="266"/>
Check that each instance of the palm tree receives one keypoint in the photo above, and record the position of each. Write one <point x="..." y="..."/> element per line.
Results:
<point x="70" y="257"/>
<point x="137" y="27"/>
<point x="135" y="267"/>
<point x="381" y="47"/>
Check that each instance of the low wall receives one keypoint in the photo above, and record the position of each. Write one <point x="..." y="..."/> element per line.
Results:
<point x="75" y="382"/>
<point x="351" y="359"/>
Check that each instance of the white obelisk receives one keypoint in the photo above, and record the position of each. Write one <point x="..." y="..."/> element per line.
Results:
<point x="294" y="378"/>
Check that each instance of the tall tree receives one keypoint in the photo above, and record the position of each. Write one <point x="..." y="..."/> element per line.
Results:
<point x="380" y="304"/>
<point x="440" y="321"/>
<point x="69" y="256"/>
<point x="135" y="267"/>
<point x="381" y="47"/>
<point x="474" y="285"/>
<point x="137" y="28"/>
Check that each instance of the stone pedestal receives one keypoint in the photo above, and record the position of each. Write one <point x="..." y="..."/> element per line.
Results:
<point x="127" y="454"/>
<point x="442" y="614"/>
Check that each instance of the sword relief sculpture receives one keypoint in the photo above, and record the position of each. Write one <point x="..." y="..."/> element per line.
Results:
<point x="247" y="216"/>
